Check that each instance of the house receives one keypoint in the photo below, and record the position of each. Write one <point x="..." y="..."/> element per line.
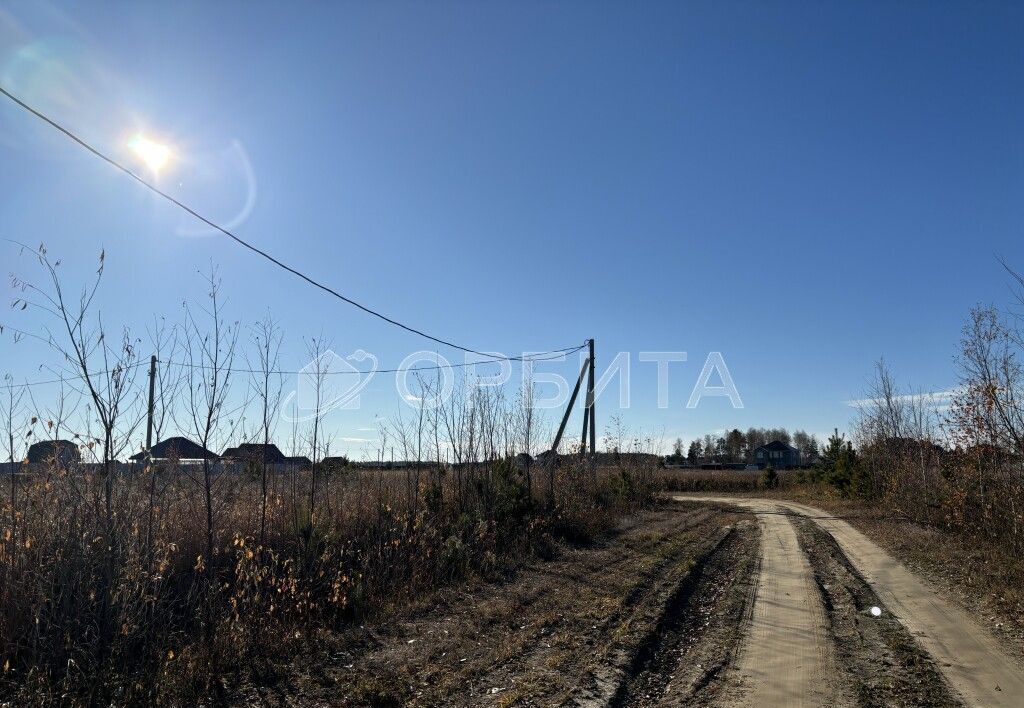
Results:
<point x="177" y="450"/>
<point x="298" y="461"/>
<point x="61" y="452"/>
<point x="252" y="452"/>
<point x="386" y="464"/>
<point x="777" y="454"/>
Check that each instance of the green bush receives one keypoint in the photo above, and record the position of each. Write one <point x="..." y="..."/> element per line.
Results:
<point x="769" y="478"/>
<point x="840" y="467"/>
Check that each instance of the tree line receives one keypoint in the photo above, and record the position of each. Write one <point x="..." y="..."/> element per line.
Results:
<point x="736" y="446"/>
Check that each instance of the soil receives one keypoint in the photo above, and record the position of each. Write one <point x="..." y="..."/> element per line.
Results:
<point x="604" y="624"/>
<point x="886" y="665"/>
<point x="701" y="602"/>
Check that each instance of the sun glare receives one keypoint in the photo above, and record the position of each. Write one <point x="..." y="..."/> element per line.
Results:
<point x="154" y="154"/>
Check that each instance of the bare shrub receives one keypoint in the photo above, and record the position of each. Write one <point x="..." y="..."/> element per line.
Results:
<point x="962" y="469"/>
<point x="167" y="581"/>
<point x="986" y="468"/>
<point x="898" y="436"/>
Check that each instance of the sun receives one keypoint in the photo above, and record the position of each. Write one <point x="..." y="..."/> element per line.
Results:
<point x="154" y="154"/>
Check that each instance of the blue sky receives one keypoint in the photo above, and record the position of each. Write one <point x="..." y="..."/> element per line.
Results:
<point x="804" y="187"/>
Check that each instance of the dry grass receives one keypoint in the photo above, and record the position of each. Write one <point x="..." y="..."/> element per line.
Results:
<point x="126" y="608"/>
<point x="696" y="480"/>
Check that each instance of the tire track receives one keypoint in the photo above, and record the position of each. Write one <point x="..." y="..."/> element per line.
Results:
<point x="886" y="666"/>
<point x="677" y="658"/>
<point x="969" y="658"/>
<point x="648" y="609"/>
<point x="786" y="657"/>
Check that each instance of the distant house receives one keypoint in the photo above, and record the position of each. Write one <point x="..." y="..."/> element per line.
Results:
<point x="299" y="461"/>
<point x="251" y="452"/>
<point x="385" y="464"/>
<point x="334" y="463"/>
<point x="61" y="452"/>
<point x="777" y="454"/>
<point x="177" y="450"/>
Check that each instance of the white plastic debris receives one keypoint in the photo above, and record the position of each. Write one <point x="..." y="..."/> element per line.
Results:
<point x="876" y="611"/>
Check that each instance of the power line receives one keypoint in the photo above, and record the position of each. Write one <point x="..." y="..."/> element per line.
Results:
<point x="74" y="377"/>
<point x="327" y="289"/>
<point x="544" y="356"/>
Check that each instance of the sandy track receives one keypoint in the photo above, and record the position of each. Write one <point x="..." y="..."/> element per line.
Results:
<point x="786" y="658"/>
<point x="969" y="657"/>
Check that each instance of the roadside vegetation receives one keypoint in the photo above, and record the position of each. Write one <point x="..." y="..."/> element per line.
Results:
<point x="177" y="581"/>
<point x="936" y="477"/>
<point x="139" y="611"/>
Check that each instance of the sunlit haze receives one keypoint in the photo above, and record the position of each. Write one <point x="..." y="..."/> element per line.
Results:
<point x="154" y="154"/>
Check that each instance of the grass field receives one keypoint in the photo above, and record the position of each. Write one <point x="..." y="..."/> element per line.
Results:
<point x="130" y="606"/>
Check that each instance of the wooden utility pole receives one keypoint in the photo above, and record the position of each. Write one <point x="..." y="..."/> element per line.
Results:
<point x="149" y="416"/>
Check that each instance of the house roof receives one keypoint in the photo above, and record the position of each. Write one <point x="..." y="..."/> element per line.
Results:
<point x="178" y="449"/>
<point x="46" y="450"/>
<point x="252" y="451"/>
<point x="777" y="446"/>
<point x="298" y="460"/>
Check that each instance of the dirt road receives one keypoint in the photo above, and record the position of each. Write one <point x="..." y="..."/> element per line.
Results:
<point x="786" y="658"/>
<point x="706" y="601"/>
<point x="968" y="657"/>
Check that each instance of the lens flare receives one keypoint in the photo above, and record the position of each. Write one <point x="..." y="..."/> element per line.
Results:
<point x="155" y="155"/>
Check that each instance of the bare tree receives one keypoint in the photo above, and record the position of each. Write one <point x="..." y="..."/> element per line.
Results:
<point x="806" y="443"/>
<point x="410" y="437"/>
<point x="990" y="370"/>
<point x="316" y="373"/>
<point x="266" y="339"/>
<point x="107" y="372"/>
<point x="106" y="369"/>
<point x="526" y="429"/>
<point x="210" y="352"/>
<point x="987" y="416"/>
<point x="166" y="384"/>
<point x="454" y="415"/>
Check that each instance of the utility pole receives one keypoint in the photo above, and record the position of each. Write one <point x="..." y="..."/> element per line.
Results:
<point x="589" y="421"/>
<point x="149" y="416"/>
<point x="586" y="423"/>
<point x="590" y="403"/>
<point x="568" y="410"/>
